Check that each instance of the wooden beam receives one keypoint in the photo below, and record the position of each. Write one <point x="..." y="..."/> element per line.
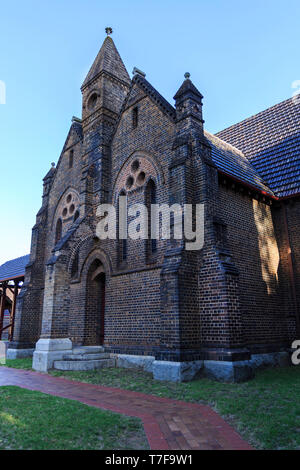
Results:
<point x="2" y="307"/>
<point x="13" y="311"/>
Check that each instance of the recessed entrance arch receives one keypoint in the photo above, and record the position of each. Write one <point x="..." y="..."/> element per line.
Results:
<point x="95" y="305"/>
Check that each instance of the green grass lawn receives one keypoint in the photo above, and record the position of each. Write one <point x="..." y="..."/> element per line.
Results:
<point x="19" y="363"/>
<point x="265" y="410"/>
<point x="36" y="421"/>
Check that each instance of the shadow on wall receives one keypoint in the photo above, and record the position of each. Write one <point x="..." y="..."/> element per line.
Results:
<point x="256" y="242"/>
<point x="267" y="246"/>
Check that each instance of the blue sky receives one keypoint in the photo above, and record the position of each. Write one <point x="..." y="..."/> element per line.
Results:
<point x="242" y="55"/>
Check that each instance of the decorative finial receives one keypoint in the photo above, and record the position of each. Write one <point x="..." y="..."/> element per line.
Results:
<point x="53" y="165"/>
<point x="108" y="31"/>
<point x="187" y="75"/>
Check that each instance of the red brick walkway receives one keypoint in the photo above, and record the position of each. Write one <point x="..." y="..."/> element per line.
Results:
<point x="169" y="424"/>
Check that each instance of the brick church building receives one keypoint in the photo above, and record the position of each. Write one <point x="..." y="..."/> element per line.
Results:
<point x="219" y="311"/>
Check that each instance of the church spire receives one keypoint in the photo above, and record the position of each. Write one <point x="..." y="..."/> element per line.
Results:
<point x="108" y="60"/>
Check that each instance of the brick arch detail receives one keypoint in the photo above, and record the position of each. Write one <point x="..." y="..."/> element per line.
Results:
<point x="149" y="162"/>
<point x="88" y="253"/>
<point x="83" y="245"/>
<point x="60" y="205"/>
<point x="96" y="254"/>
<point x="94" y="311"/>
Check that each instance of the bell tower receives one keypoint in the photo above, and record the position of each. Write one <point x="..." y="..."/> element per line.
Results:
<point x="103" y="93"/>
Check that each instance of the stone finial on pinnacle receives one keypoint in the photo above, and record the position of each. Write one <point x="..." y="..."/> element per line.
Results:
<point x="187" y="75"/>
<point x="108" y="31"/>
<point x="53" y="165"/>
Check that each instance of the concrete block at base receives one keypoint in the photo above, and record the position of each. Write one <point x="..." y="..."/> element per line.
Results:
<point x="176" y="371"/>
<point x="275" y="359"/>
<point x="19" y="353"/>
<point x="135" y="362"/>
<point x="223" y="371"/>
<point x="49" y="350"/>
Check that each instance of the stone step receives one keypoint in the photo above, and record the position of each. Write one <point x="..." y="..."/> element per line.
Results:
<point x="86" y="357"/>
<point x="84" y="365"/>
<point x="88" y="349"/>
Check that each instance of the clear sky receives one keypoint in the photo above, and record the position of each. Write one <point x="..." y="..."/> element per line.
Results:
<point x="243" y="55"/>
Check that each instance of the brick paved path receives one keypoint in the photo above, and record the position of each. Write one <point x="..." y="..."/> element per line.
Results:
<point x="169" y="424"/>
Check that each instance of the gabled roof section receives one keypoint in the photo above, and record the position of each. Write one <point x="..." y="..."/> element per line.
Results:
<point x="271" y="142"/>
<point x="107" y="60"/>
<point x="14" y="269"/>
<point x="77" y="127"/>
<point x="50" y="174"/>
<point x="227" y="158"/>
<point x="232" y="162"/>
<point x="76" y="132"/>
<point x="146" y="90"/>
<point x="163" y="104"/>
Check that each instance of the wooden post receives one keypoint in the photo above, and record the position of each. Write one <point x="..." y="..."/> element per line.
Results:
<point x="13" y="310"/>
<point x="2" y="307"/>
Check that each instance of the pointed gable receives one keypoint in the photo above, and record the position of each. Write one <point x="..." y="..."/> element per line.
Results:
<point x="74" y="137"/>
<point x="154" y="95"/>
<point x="140" y="88"/>
<point x="108" y="60"/>
<point x="75" y="134"/>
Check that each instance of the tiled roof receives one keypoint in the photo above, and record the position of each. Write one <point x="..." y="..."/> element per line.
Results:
<point x="271" y="142"/>
<point x="233" y="162"/>
<point x="14" y="268"/>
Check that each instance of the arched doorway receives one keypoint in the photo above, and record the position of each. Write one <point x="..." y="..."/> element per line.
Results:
<point x="95" y="305"/>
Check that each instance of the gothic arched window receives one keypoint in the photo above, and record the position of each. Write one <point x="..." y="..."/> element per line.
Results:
<point x="71" y="158"/>
<point x="135" y="117"/>
<point x="75" y="265"/>
<point x="150" y="199"/>
<point x="58" y="231"/>
<point x="122" y="242"/>
<point x="76" y="216"/>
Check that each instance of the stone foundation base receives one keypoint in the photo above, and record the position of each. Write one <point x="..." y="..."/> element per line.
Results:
<point x="128" y="361"/>
<point x="223" y="371"/>
<point x="49" y="350"/>
<point x="262" y="361"/>
<point x="176" y="371"/>
<point x="18" y="353"/>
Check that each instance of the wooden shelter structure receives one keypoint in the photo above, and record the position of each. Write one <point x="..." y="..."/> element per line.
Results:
<point x="12" y="275"/>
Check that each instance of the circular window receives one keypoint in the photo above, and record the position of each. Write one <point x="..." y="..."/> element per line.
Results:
<point x="141" y="178"/>
<point x="92" y="101"/>
<point x="65" y="212"/>
<point x="135" y="166"/>
<point x="129" y="182"/>
<point x="69" y="198"/>
<point x="72" y="209"/>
